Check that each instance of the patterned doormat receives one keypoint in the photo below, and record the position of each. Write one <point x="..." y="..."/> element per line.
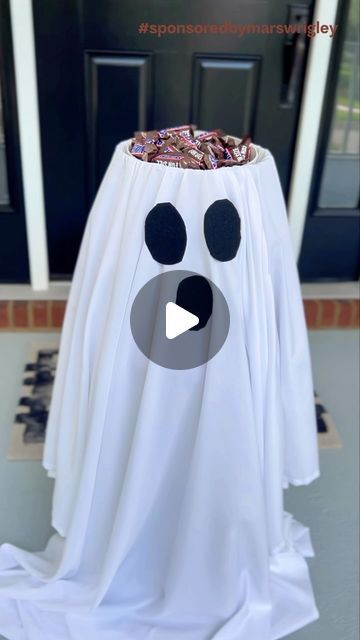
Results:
<point x="28" y="431"/>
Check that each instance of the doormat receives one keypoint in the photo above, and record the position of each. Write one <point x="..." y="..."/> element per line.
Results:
<point x="28" y="431"/>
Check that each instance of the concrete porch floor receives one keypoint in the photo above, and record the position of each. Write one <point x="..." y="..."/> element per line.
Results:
<point x="329" y="506"/>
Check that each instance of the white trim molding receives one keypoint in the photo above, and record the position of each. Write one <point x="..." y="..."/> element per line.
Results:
<point x="330" y="290"/>
<point x="28" y="114"/>
<point x="55" y="291"/>
<point x="309" y="123"/>
<point x="60" y="291"/>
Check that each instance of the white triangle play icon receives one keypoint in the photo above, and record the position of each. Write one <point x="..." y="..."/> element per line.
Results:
<point x="178" y="320"/>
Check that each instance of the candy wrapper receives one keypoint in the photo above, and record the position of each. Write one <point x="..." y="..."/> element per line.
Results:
<point x="182" y="147"/>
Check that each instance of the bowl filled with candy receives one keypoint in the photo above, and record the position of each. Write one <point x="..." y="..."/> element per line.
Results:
<point x="187" y="148"/>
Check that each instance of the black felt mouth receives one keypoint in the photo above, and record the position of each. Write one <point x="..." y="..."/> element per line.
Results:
<point x="195" y="295"/>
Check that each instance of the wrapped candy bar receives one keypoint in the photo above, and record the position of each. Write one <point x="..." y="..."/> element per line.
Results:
<point x="182" y="147"/>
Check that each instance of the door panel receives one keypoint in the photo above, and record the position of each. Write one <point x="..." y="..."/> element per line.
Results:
<point x="226" y="89"/>
<point x="118" y="80"/>
<point x="107" y="103"/>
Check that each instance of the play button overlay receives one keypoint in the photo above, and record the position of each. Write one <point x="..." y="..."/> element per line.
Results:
<point x="179" y="319"/>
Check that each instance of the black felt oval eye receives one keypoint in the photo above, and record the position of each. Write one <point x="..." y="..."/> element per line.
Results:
<point x="165" y="233"/>
<point x="222" y="230"/>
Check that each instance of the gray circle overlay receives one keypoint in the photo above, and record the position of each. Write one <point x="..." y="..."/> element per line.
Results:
<point x="148" y="323"/>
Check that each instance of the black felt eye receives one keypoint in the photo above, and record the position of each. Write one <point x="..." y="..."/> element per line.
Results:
<point x="165" y="233"/>
<point x="222" y="230"/>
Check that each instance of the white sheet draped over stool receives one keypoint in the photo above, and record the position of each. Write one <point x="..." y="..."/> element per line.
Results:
<point x="168" y="498"/>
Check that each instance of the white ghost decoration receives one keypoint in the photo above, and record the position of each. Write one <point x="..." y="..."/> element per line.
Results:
<point x="168" y="498"/>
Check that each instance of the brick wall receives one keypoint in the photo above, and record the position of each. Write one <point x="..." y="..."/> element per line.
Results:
<point x="47" y="315"/>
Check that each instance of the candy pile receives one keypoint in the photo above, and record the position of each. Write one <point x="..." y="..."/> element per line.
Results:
<point x="178" y="147"/>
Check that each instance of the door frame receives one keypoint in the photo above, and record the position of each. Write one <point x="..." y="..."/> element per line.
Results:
<point x="309" y="123"/>
<point x="22" y="30"/>
<point x="335" y="222"/>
